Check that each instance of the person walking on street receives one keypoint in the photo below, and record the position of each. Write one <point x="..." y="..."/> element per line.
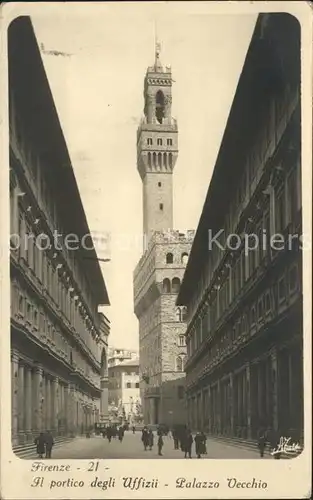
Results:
<point x="175" y="438"/>
<point x="204" y="443"/>
<point x="160" y="444"/>
<point x="40" y="444"/>
<point x="199" y="444"/>
<point x="261" y="442"/>
<point x="145" y="438"/>
<point x="150" y="439"/>
<point x="109" y="433"/>
<point x="49" y="444"/>
<point x="188" y="444"/>
<point x="134" y="429"/>
<point x="121" y="434"/>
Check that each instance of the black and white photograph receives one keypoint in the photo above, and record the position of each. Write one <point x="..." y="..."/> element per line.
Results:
<point x="158" y="252"/>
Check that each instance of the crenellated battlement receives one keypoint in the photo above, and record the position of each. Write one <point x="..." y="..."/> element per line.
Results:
<point x="167" y="236"/>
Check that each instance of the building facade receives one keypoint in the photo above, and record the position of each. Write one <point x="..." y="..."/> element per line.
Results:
<point x="58" y="338"/>
<point x="118" y="356"/>
<point x="157" y="277"/>
<point x="124" y="392"/>
<point x="244" y="338"/>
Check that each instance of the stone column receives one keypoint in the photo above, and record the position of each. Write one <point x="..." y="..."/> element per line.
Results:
<point x="231" y="403"/>
<point x="48" y="404"/>
<point x="55" y="405"/>
<point x="15" y="398"/>
<point x="209" y="408"/>
<point x="248" y="399"/>
<point x="199" y="411"/>
<point x="219" y="406"/>
<point x="28" y="405"/>
<point x="274" y="388"/>
<point x="104" y="399"/>
<point x="21" y="404"/>
<point x="38" y="402"/>
<point x="69" y="410"/>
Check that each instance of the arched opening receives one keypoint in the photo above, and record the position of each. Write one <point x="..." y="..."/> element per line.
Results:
<point x="184" y="313"/>
<point x="160" y="160"/>
<point x="169" y="258"/>
<point x="178" y="314"/>
<point x="154" y="159"/>
<point x="165" y="160"/>
<point x="180" y="363"/>
<point x="166" y="285"/>
<point x="149" y="159"/>
<point x="175" y="285"/>
<point x="159" y="106"/>
<point x="184" y="258"/>
<point x="181" y="340"/>
<point x="170" y="158"/>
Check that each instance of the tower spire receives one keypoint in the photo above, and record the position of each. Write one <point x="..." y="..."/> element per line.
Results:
<point x="157" y="49"/>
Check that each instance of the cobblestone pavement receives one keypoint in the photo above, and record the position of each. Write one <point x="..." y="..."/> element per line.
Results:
<point x="131" y="447"/>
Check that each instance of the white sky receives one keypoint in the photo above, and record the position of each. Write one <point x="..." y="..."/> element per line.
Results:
<point x="98" y="93"/>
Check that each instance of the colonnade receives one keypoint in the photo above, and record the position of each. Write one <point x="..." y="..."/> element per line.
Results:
<point x="41" y="401"/>
<point x="262" y="394"/>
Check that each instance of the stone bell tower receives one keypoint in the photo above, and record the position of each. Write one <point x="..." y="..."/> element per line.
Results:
<point x="157" y="149"/>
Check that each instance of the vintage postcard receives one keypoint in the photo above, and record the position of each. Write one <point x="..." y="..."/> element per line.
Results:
<point x="155" y="274"/>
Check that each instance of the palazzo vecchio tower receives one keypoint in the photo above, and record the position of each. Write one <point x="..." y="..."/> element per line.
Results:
<point x="159" y="272"/>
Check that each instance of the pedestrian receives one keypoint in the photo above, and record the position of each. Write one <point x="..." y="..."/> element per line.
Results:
<point x="204" y="443"/>
<point x="49" y="444"/>
<point x="121" y="434"/>
<point x="274" y="440"/>
<point x="261" y="442"/>
<point x="199" y="444"/>
<point x="188" y="444"/>
<point x="40" y="444"/>
<point x="134" y="429"/>
<point x="109" y="433"/>
<point x="150" y="439"/>
<point x="145" y="438"/>
<point x="160" y="444"/>
<point x="175" y="438"/>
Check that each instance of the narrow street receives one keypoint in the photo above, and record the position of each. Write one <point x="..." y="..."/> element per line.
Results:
<point x="131" y="447"/>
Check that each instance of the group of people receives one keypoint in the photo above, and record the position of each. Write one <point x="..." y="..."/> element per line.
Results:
<point x="147" y="439"/>
<point x="183" y="439"/>
<point x="112" y="431"/>
<point x="44" y="443"/>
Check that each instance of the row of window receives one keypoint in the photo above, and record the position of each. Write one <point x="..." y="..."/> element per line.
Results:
<point x="42" y="325"/>
<point x="28" y="241"/>
<point x="160" y="160"/>
<point x="278" y="211"/>
<point x="183" y="258"/>
<point x="169" y="286"/>
<point x="132" y="385"/>
<point x="259" y="312"/>
<point x="50" y="275"/>
<point x="256" y="156"/>
<point x="169" y="142"/>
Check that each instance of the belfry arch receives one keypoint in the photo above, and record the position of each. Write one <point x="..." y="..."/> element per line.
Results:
<point x="159" y="106"/>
